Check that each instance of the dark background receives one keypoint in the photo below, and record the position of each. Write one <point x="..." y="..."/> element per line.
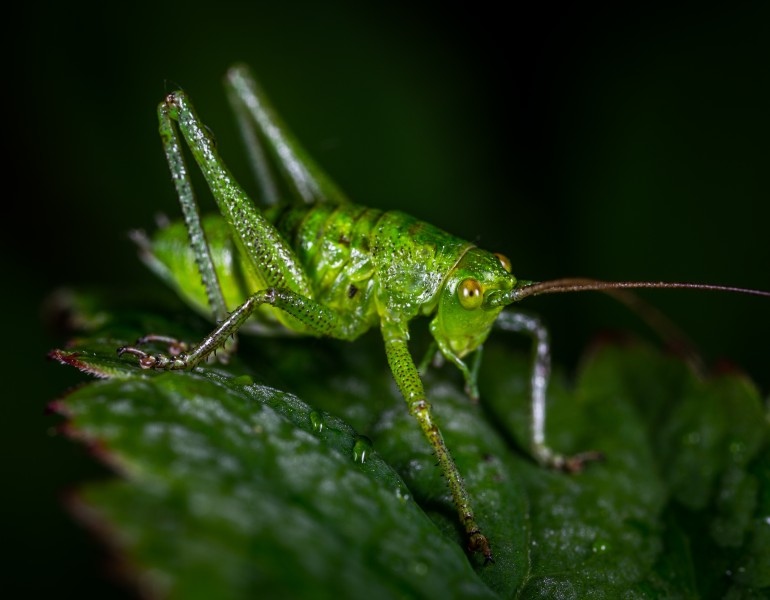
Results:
<point x="630" y="144"/>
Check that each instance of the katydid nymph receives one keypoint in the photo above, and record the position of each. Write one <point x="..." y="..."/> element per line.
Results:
<point x="322" y="266"/>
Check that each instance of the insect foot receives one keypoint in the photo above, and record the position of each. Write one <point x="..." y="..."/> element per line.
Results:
<point x="576" y="463"/>
<point x="477" y="542"/>
<point x="176" y="349"/>
<point x="156" y="361"/>
<point x="568" y="464"/>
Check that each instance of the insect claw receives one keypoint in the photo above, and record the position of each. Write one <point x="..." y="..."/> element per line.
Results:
<point x="576" y="463"/>
<point x="477" y="542"/>
<point x="473" y="393"/>
<point x="152" y="361"/>
<point x="146" y="361"/>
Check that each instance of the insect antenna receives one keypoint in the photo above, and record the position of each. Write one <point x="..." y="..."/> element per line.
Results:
<point x="580" y="284"/>
<point x="672" y="335"/>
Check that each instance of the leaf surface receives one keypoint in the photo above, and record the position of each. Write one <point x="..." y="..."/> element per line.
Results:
<point x="248" y="479"/>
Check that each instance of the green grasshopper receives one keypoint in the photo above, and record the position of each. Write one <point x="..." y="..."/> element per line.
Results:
<point x="323" y="266"/>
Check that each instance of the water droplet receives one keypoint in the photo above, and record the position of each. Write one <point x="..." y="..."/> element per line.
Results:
<point x="243" y="380"/>
<point x="316" y="422"/>
<point x="600" y="546"/>
<point x="361" y="448"/>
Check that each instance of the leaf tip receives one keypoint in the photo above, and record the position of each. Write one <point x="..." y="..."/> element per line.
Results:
<point x="93" y="366"/>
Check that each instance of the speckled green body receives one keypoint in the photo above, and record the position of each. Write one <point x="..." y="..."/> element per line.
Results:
<point x="368" y="261"/>
<point x="358" y="260"/>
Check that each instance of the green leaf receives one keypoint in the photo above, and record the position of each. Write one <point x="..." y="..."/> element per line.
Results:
<point x="247" y="480"/>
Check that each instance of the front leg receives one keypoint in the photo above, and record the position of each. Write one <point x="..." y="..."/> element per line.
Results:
<point x="408" y="379"/>
<point x="541" y="371"/>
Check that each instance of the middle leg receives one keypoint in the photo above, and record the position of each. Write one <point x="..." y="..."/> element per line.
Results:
<point x="408" y="379"/>
<point x="541" y="371"/>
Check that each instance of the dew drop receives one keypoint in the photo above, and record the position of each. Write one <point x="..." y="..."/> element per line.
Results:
<point x="600" y="546"/>
<point x="361" y="448"/>
<point x="316" y="421"/>
<point x="243" y="380"/>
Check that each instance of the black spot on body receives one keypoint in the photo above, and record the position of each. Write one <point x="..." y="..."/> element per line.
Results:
<point x="352" y="291"/>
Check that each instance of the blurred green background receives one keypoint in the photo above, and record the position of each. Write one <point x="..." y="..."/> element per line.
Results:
<point x="630" y="144"/>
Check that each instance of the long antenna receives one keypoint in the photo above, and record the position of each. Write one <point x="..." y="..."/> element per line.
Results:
<point x="669" y="332"/>
<point x="580" y="284"/>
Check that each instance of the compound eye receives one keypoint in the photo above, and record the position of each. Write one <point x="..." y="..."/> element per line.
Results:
<point x="505" y="261"/>
<point x="470" y="293"/>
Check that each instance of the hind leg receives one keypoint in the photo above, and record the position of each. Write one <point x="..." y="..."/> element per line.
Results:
<point x="262" y="129"/>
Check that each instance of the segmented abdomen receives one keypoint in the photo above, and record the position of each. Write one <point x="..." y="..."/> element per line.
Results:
<point x="369" y="261"/>
<point x="332" y="244"/>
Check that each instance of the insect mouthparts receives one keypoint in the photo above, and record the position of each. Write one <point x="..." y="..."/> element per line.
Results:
<point x="495" y="299"/>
